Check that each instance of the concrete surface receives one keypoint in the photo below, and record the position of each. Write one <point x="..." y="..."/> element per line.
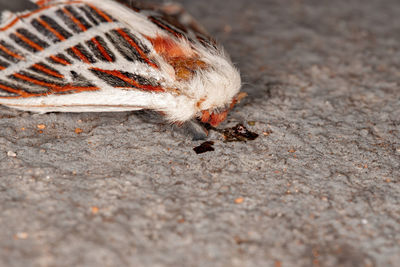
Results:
<point x="319" y="187"/>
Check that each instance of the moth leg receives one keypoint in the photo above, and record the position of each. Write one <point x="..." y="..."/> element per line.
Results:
<point x="195" y="129"/>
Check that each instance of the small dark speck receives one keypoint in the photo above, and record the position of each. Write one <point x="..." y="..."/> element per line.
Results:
<point x="204" y="147"/>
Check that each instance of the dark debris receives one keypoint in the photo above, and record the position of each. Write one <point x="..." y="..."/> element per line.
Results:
<point x="238" y="133"/>
<point x="204" y="147"/>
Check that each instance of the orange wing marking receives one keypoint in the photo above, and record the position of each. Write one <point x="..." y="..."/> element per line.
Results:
<point x="54" y="31"/>
<point x="56" y="88"/>
<point x="48" y="71"/>
<point x="75" y="20"/>
<point x="29" y="42"/>
<point x="137" y="48"/>
<point x="102" y="49"/>
<point x="101" y="13"/>
<point x="11" y="53"/>
<point x="131" y="81"/>
<point x="60" y="60"/>
<point x="16" y="91"/>
<point x="80" y="54"/>
<point x="42" y="7"/>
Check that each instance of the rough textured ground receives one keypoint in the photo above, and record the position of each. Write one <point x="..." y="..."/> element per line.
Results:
<point x="320" y="186"/>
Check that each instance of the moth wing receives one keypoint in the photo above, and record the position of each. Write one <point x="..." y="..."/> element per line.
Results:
<point x="173" y="15"/>
<point x="49" y="55"/>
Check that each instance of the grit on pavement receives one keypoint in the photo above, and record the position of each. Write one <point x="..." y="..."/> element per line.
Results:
<point x="318" y="187"/>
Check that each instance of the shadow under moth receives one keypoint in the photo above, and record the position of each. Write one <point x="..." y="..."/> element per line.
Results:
<point x="92" y="56"/>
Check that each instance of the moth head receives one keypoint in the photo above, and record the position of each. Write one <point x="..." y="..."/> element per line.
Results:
<point x="216" y="87"/>
<point x="216" y="116"/>
<point x="203" y="74"/>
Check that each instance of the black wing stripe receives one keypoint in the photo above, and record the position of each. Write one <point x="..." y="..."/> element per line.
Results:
<point x="9" y="52"/>
<point x="80" y="53"/>
<point x="89" y="14"/>
<point x="28" y="40"/>
<point x="50" y="28"/>
<point x="99" y="48"/>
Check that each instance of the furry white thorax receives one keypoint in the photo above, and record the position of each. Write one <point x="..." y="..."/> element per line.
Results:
<point x="210" y="89"/>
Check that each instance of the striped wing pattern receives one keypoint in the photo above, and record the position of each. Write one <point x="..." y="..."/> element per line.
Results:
<point x="72" y="47"/>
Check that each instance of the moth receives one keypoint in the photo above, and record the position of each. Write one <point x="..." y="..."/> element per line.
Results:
<point x="92" y="56"/>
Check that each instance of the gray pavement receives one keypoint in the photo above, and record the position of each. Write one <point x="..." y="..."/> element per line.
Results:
<point x="319" y="187"/>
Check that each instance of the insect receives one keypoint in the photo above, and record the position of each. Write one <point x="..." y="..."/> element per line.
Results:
<point x="91" y="56"/>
